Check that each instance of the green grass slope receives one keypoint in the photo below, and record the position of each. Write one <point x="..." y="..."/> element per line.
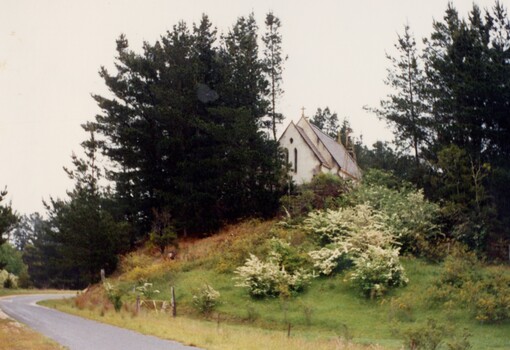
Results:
<point x="329" y="308"/>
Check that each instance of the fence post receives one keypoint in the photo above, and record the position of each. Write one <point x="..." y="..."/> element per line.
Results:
<point x="288" y="331"/>
<point x="174" y="307"/>
<point x="137" y="304"/>
<point x="103" y="277"/>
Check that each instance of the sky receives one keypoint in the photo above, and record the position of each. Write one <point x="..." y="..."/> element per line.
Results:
<point x="51" y="52"/>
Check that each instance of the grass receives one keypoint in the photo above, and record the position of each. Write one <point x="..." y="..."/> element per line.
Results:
<point x="325" y="315"/>
<point x="14" y="336"/>
<point x="209" y="334"/>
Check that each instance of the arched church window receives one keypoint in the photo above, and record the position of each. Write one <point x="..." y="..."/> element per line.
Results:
<point x="295" y="160"/>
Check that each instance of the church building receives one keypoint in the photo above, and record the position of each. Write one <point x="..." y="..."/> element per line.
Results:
<point x="310" y="151"/>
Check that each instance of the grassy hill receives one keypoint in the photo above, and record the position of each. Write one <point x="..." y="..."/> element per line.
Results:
<point x="330" y="312"/>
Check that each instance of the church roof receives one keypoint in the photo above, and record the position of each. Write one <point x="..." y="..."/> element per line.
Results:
<point x="338" y="152"/>
<point x="312" y="147"/>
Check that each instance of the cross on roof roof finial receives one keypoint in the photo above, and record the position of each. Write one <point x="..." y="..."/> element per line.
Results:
<point x="302" y="111"/>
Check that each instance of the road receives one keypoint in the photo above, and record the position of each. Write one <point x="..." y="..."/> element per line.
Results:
<point x="78" y="333"/>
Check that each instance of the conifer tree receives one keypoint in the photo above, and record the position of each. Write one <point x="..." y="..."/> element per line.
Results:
<point x="273" y="67"/>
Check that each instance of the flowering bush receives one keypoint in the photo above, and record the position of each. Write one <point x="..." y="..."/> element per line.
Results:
<point x="405" y="211"/>
<point x="268" y="278"/>
<point x="362" y="227"/>
<point x="206" y="299"/>
<point x="376" y="270"/>
<point x="326" y="260"/>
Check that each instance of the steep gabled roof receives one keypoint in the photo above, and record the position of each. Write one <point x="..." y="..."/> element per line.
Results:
<point x="338" y="152"/>
<point x="312" y="147"/>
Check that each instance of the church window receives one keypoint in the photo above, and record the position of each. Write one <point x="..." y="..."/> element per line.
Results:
<point x="295" y="160"/>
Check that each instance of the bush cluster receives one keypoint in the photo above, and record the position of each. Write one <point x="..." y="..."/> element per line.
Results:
<point x="274" y="277"/>
<point x="376" y="270"/>
<point x="462" y="282"/>
<point x="357" y="236"/>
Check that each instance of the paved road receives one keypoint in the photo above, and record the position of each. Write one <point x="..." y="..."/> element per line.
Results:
<point x="78" y="333"/>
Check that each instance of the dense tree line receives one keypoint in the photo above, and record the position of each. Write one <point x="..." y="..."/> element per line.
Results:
<point x="189" y="132"/>
<point x="185" y="126"/>
<point x="450" y="109"/>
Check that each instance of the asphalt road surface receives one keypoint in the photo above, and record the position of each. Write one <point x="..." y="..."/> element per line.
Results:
<point x="77" y="333"/>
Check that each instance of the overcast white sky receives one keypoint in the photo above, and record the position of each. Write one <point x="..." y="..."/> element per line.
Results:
<point x="51" y="51"/>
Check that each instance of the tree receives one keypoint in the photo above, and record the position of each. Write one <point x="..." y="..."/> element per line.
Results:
<point x="326" y="121"/>
<point x="405" y="109"/>
<point x="273" y="67"/>
<point x="165" y="127"/>
<point x="26" y="230"/>
<point x="8" y="217"/>
<point x="468" y="71"/>
<point x="84" y="236"/>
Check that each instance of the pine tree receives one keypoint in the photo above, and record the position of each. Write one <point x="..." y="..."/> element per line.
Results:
<point x="405" y="109"/>
<point x="326" y="121"/>
<point x="273" y="67"/>
<point x="84" y="236"/>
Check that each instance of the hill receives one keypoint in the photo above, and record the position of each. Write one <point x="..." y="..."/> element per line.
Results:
<point x="330" y="310"/>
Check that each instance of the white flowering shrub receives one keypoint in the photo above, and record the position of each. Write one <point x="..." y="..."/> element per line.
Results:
<point x="326" y="260"/>
<point x="406" y="212"/>
<point x="206" y="299"/>
<point x="364" y="227"/>
<point x="269" y="278"/>
<point x="376" y="270"/>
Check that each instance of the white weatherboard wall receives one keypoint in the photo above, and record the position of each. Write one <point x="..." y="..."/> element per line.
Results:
<point x="307" y="163"/>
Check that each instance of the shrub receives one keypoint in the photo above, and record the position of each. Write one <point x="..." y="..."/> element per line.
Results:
<point x="135" y="260"/>
<point x="328" y="260"/>
<point x="334" y="225"/>
<point x="206" y="299"/>
<point x="427" y="336"/>
<point x="8" y="283"/>
<point x="114" y="295"/>
<point x="323" y="192"/>
<point x="146" y="289"/>
<point x="376" y="270"/>
<point x="269" y="279"/>
<point x="351" y="232"/>
<point x="490" y="298"/>
<point x="405" y="210"/>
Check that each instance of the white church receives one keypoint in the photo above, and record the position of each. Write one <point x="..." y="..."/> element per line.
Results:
<point x="310" y="151"/>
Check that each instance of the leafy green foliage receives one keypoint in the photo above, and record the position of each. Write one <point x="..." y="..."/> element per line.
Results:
<point x="376" y="270"/>
<point x="272" y="277"/>
<point x="322" y="192"/>
<point x="404" y="211"/>
<point x="206" y="299"/>
<point x="449" y="107"/>
<point x="114" y="295"/>
<point x="12" y="259"/>
<point x="462" y="282"/>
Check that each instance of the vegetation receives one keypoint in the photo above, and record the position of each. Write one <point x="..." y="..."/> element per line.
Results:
<point x="18" y="337"/>
<point x="448" y="107"/>
<point x="328" y="310"/>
